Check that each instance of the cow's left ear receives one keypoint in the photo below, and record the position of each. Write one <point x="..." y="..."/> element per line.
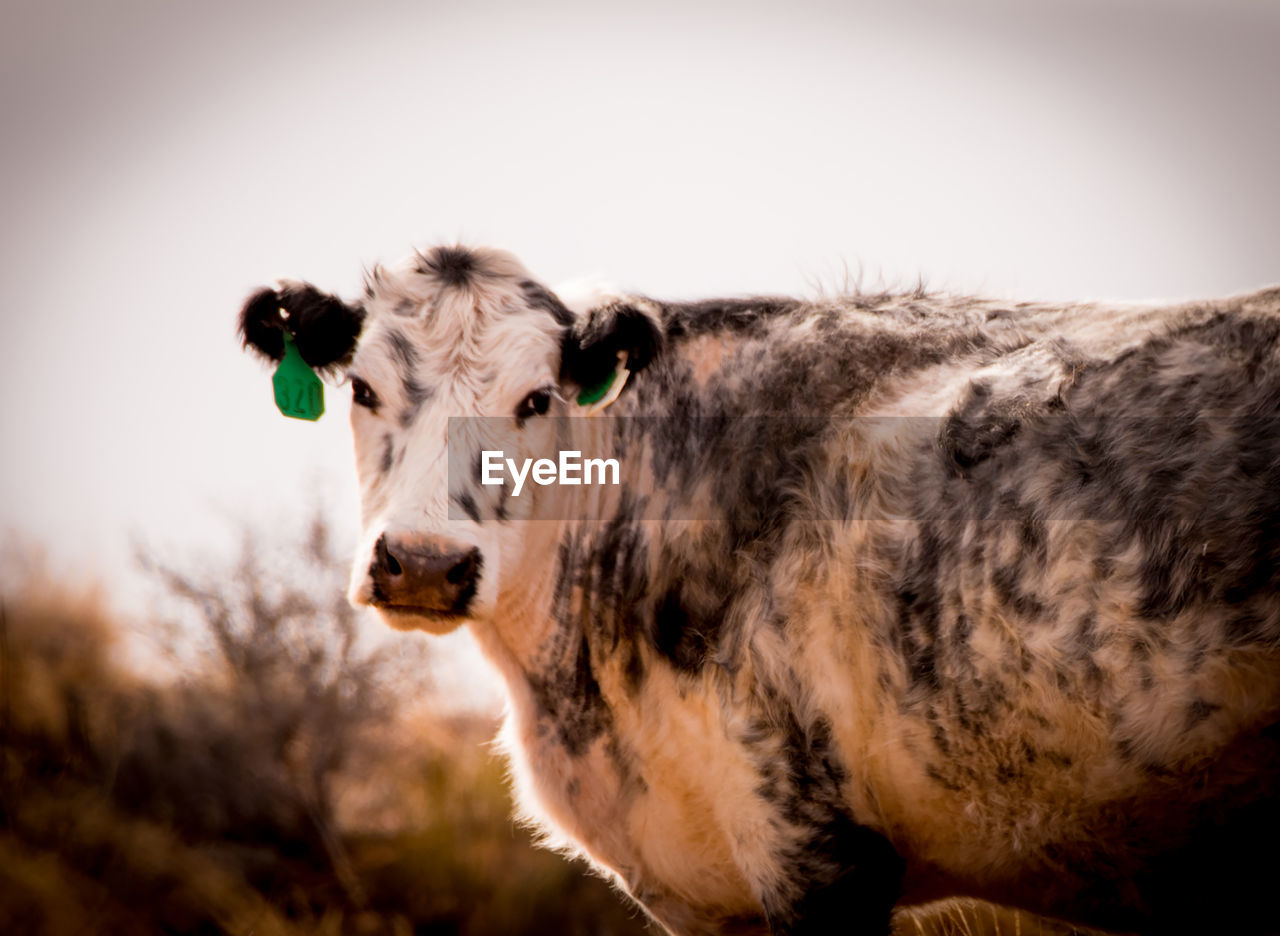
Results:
<point x="605" y="345"/>
<point x="324" y="327"/>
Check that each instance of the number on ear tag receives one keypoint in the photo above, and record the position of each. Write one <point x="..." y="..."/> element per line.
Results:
<point x="299" y="392"/>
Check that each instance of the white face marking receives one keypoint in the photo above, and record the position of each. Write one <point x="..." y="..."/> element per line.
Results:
<point x="432" y="351"/>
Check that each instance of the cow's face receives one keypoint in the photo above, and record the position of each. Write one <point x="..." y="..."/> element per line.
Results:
<point x="460" y="349"/>
<point x="464" y="345"/>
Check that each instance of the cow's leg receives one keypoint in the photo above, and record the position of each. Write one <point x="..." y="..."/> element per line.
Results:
<point x="846" y="879"/>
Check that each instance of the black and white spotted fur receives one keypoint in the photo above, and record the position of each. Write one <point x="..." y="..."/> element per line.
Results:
<point x="901" y="596"/>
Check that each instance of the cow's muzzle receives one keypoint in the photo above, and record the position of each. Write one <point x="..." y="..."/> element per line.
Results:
<point x="429" y="577"/>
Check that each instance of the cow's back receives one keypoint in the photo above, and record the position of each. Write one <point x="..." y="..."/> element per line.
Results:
<point x="1078" y="615"/>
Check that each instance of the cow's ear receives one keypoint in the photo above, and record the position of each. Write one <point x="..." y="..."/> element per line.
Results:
<point x="324" y="327"/>
<point x="605" y="345"/>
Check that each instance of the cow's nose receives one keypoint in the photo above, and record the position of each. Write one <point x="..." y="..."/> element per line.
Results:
<point x="437" y="576"/>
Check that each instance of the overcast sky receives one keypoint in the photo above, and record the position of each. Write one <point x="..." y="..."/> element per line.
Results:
<point x="161" y="159"/>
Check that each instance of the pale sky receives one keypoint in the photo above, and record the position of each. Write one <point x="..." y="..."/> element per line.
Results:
<point x="161" y="159"/>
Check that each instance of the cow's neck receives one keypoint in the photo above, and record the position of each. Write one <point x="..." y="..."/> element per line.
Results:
<point x="513" y="639"/>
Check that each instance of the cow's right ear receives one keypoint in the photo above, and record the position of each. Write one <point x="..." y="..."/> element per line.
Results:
<point x="605" y="345"/>
<point x="324" y="327"/>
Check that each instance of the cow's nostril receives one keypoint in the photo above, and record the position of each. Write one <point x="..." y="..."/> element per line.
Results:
<point x="464" y="569"/>
<point x="386" y="559"/>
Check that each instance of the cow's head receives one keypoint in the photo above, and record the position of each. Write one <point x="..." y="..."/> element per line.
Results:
<point x="454" y="333"/>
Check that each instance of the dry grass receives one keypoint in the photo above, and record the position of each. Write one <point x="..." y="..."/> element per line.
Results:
<point x="966" y="917"/>
<point x="277" y="788"/>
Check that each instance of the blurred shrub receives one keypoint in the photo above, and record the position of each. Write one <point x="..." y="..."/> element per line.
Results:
<point x="249" y="748"/>
<point x="279" y="785"/>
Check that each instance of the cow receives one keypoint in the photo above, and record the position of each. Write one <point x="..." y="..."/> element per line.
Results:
<point x="897" y="596"/>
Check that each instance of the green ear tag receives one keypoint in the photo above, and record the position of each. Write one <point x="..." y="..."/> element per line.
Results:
<point x="595" y="394"/>
<point x="299" y="392"/>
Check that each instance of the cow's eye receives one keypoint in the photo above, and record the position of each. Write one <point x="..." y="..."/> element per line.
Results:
<point x="535" y="404"/>
<point x="362" y="394"/>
